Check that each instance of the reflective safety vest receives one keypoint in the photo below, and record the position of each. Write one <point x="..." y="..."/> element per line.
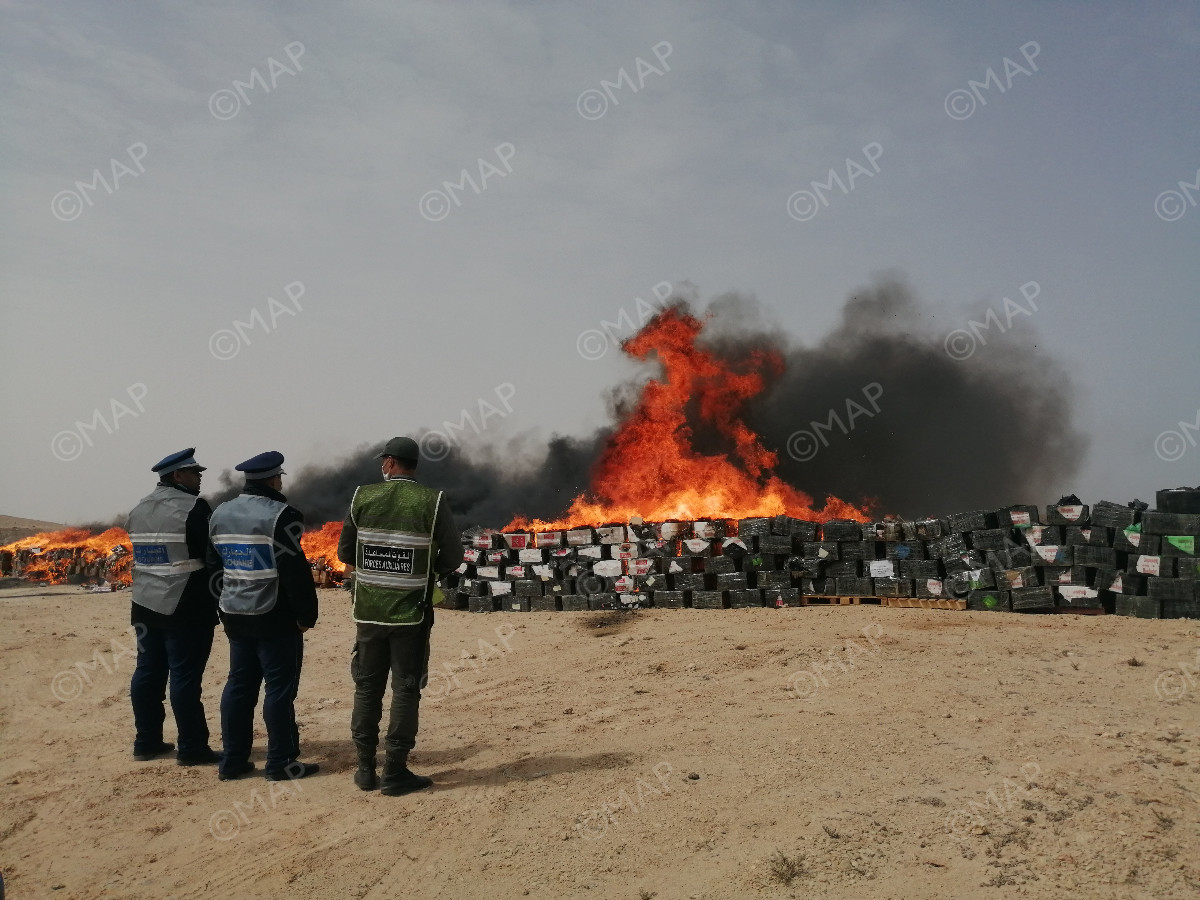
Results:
<point x="161" y="563"/>
<point x="395" y="550"/>
<point x="243" y="531"/>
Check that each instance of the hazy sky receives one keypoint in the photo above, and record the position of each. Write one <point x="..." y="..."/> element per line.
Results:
<point x="246" y="147"/>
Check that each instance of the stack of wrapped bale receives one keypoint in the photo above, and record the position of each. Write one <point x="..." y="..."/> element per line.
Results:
<point x="1159" y="578"/>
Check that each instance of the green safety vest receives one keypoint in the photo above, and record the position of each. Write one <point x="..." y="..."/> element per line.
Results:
<point x="395" y="550"/>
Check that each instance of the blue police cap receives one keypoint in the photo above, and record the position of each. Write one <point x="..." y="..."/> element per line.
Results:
<point x="265" y="465"/>
<point x="184" y="459"/>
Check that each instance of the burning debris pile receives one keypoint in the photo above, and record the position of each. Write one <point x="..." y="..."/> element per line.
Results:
<point x="70" y="556"/>
<point x="1110" y="557"/>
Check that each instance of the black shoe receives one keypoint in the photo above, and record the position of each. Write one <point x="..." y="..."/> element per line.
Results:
<point x="205" y="757"/>
<point x="292" y="771"/>
<point x="162" y="749"/>
<point x="365" y="778"/>
<point x="237" y="770"/>
<point x="398" y="780"/>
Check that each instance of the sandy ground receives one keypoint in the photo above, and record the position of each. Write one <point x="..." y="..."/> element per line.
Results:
<point x="670" y="754"/>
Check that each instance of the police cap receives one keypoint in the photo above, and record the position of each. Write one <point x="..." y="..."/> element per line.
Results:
<point x="265" y="465"/>
<point x="184" y="459"/>
<point x="402" y="448"/>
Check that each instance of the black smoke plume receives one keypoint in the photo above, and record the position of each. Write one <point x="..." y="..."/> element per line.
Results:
<point x="877" y="412"/>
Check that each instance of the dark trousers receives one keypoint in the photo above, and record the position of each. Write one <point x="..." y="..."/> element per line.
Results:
<point x="277" y="660"/>
<point x="180" y="654"/>
<point x="402" y="650"/>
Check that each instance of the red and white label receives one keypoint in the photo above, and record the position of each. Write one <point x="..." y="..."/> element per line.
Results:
<point x="707" y="530"/>
<point x="1149" y="565"/>
<point x="488" y="571"/>
<point x="1019" y="519"/>
<point x="518" y="541"/>
<point x="550" y="539"/>
<point x="1015" y="579"/>
<point x="1070" y="513"/>
<point x="500" y="587"/>
<point x="545" y="573"/>
<point x="625" y="551"/>
<point x="592" y="552"/>
<point x="625" y="584"/>
<point x="1117" y="585"/>
<point x="696" y="545"/>
<point x="1134" y="537"/>
<point x="472" y="555"/>
<point x="933" y="586"/>
<point x="482" y="542"/>
<point x="516" y="572"/>
<point x="639" y="566"/>
<point x="612" y="534"/>
<point x="531" y="556"/>
<point x="579" y="537"/>
<point x="1048" y="552"/>
<point x="608" y="568"/>
<point x="1077" y="592"/>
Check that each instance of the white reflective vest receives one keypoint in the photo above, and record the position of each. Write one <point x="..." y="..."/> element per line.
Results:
<point x="161" y="564"/>
<point x="243" y="531"/>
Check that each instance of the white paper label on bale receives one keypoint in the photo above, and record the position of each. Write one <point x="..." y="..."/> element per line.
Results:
<point x="488" y="571"/>
<point x="579" y="537"/>
<point x="1117" y="585"/>
<point x="631" y="599"/>
<point x="822" y="553"/>
<point x="1086" y="534"/>
<point x="1070" y="513"/>
<point x="496" y="557"/>
<point x="607" y="568"/>
<point x="544" y="572"/>
<point x="651" y="581"/>
<point x="593" y="551"/>
<point x="639" y="566"/>
<point x="933" y="586"/>
<point x="1134" y="537"/>
<point x="704" y="530"/>
<point x="530" y="556"/>
<point x="515" y="572"/>
<point x="517" y="541"/>
<point x="612" y="534"/>
<point x="882" y="568"/>
<point x="500" y="587"/>
<point x="462" y="569"/>
<point x="696" y="545"/>
<point x="472" y="556"/>
<point x="1077" y="592"/>
<point x="1048" y="552"/>
<point x="1148" y="565"/>
<point x="561" y="553"/>
<point x="550" y="539"/>
<point x="625" y="584"/>
<point x="626" y="551"/>
<point x="669" y="530"/>
<point x="1014" y="578"/>
<point x="1019" y="519"/>
<point x="482" y="542"/>
<point x="674" y="566"/>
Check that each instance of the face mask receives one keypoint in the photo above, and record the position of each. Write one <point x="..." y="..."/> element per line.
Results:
<point x="384" y="472"/>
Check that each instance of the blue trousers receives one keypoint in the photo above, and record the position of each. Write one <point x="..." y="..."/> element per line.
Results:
<point x="275" y="660"/>
<point x="180" y="654"/>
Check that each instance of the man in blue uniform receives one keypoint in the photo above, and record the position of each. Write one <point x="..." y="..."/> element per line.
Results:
<point x="174" y="611"/>
<point x="397" y="538"/>
<point x="267" y="603"/>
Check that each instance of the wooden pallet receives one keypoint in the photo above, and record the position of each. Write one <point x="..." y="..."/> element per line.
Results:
<point x="829" y="600"/>
<point x="922" y="603"/>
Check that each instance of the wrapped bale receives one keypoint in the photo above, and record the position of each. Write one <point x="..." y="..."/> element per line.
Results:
<point x="1170" y="523"/>
<point x="761" y="562"/>
<point x="1170" y="588"/>
<point x="1177" y="500"/>
<point x="958" y="584"/>
<point x="695" y="547"/>
<point x="1052" y="555"/>
<point x="1140" y="607"/>
<point x="1179" y="545"/>
<point x="885" y="530"/>
<point x="1096" y="557"/>
<point x="532" y="555"/>
<point x="950" y="546"/>
<point x="527" y="588"/>
<point x="823" y="550"/>
<point x="1012" y="558"/>
<point x="892" y="587"/>
<point x="1068" y="511"/>
<point x="1186" y="567"/>
<point x="1027" y="576"/>
<point x="772" y="543"/>
<point x="850" y="586"/>
<point x="843" y="568"/>
<point x="1044" y="535"/>
<point x="687" y="582"/>
<point x="550" y="539"/>
<point x="732" y="581"/>
<point x="981" y="579"/>
<point x="1182" y="608"/>
<point x="794" y="528"/>
<point x="856" y="550"/>
<point x="989" y="601"/>
<point x="1078" y="596"/>
<point x="612" y="534"/>
<point x="1131" y="540"/>
<point x="545" y="603"/>
<point x="803" y="567"/>
<point x="1113" y="515"/>
<point x="974" y="520"/>
<point x="575" y="603"/>
<point x="926" y="529"/>
<point x="481" y="604"/>
<point x="580" y="537"/>
<point x="750" y="527"/>
<point x="991" y="539"/>
<point x="668" y="599"/>
<point x="1089" y="536"/>
<point x="1159" y="566"/>
<point x="745" y="598"/>
<point x="518" y="540"/>
<point x="817" y="587"/>
<point x="709" y="531"/>
<point x="708" y="600"/>
<point x="841" y="530"/>
<point x="904" y="550"/>
<point x="1030" y="598"/>
<point x="965" y="562"/>
<point x="1064" y="575"/>
<point x="772" y="579"/>
<point x="673" y="531"/>
<point x="513" y="603"/>
<point x="1018" y="516"/>
<point x="881" y="568"/>
<point x="930" y="588"/>
<point x="604" y="601"/>
<point x="919" y="568"/>
<point x="720" y="565"/>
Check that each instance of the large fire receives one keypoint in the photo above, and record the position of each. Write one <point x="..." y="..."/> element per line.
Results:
<point x="650" y="468"/>
<point x="72" y="554"/>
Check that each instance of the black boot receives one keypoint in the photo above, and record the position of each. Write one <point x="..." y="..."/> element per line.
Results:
<point x="398" y="780"/>
<point x="365" y="778"/>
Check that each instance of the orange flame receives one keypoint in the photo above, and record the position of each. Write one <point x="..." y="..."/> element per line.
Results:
<point x="320" y="546"/>
<point x="650" y="468"/>
<point x="62" y="553"/>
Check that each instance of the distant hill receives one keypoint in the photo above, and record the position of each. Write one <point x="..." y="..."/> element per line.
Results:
<point x="13" y="528"/>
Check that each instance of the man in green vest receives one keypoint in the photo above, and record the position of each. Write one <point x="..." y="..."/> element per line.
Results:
<point x="398" y="537"/>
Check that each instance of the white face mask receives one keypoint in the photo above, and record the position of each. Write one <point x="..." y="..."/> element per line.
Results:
<point x="383" y="471"/>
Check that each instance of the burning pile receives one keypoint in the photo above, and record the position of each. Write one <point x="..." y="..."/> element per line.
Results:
<point x="70" y="556"/>
<point x="1111" y="557"/>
